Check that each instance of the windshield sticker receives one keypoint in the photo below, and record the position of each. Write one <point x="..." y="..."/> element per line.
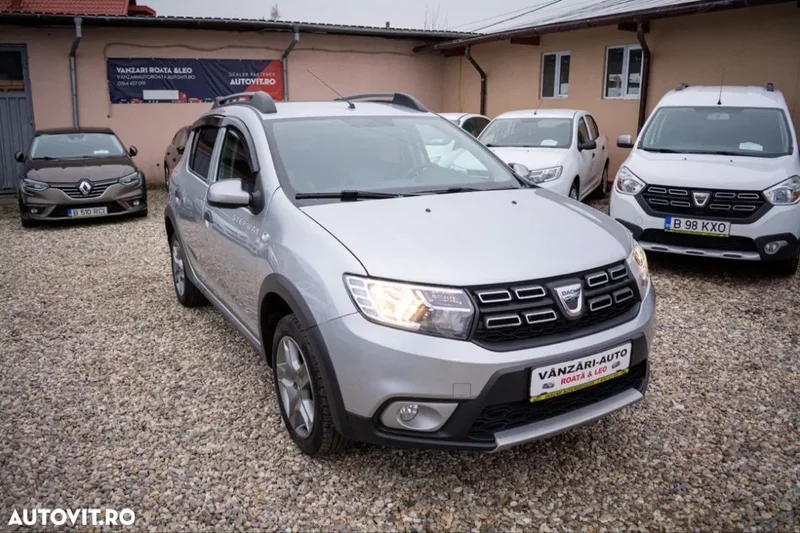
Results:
<point x="548" y="142"/>
<point x="751" y="146"/>
<point x="100" y="152"/>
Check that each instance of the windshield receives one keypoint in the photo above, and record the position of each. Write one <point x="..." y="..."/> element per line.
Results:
<point x="755" y="132"/>
<point x="529" y="132"/>
<point x="76" y="146"/>
<point x="381" y="154"/>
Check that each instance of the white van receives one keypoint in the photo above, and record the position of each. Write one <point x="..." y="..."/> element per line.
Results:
<point x="714" y="173"/>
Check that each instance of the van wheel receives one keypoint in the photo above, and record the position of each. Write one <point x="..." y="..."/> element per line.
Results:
<point x="301" y="393"/>
<point x="574" y="192"/>
<point x="787" y="267"/>
<point x="188" y="295"/>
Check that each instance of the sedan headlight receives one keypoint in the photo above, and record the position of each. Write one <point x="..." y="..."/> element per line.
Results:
<point x="627" y="182"/>
<point x="431" y="310"/>
<point x="637" y="263"/>
<point x="131" y="179"/>
<point x="786" y="192"/>
<point x="30" y="185"/>
<point x="545" y="174"/>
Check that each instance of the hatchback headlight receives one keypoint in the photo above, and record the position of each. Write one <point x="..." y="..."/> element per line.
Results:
<point x="786" y="192"/>
<point x="131" y="179"/>
<point x="627" y="182"/>
<point x="30" y="185"/>
<point x="542" y="175"/>
<point x="637" y="263"/>
<point x="431" y="310"/>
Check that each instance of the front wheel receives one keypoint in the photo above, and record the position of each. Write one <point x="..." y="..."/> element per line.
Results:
<point x="787" y="267"/>
<point x="573" y="192"/>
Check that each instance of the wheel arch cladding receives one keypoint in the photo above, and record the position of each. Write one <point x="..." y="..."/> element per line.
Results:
<point x="277" y="298"/>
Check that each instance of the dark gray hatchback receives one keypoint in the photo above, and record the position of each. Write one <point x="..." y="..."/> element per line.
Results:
<point x="75" y="173"/>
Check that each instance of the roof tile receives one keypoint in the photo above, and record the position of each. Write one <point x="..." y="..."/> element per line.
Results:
<point x="67" y="7"/>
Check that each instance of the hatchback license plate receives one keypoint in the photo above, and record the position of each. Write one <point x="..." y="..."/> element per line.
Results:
<point x="87" y="212"/>
<point x="570" y="376"/>
<point x="714" y="228"/>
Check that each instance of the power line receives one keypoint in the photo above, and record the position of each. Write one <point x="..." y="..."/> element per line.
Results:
<point x="490" y="18"/>
<point x="553" y="2"/>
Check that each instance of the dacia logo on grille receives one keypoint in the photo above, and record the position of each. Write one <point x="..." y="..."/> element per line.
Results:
<point x="571" y="298"/>
<point x="85" y="187"/>
<point x="700" y="198"/>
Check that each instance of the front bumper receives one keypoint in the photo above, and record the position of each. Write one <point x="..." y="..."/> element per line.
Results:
<point x="53" y="204"/>
<point x="746" y="242"/>
<point x="376" y="366"/>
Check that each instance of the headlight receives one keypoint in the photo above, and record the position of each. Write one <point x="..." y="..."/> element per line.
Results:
<point x="432" y="310"/>
<point x="786" y="192"/>
<point x="627" y="182"/>
<point x="545" y="174"/>
<point x="33" y="186"/>
<point x="637" y="263"/>
<point x="131" y="179"/>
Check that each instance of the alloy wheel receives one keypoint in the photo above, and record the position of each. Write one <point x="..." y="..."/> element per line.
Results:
<point x="294" y="384"/>
<point x="178" y="269"/>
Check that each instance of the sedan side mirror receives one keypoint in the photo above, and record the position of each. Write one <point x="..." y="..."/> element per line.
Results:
<point x="228" y="194"/>
<point x="625" y="141"/>
<point x="521" y="170"/>
<point x="133" y="151"/>
<point x="20" y="157"/>
<point x="587" y="145"/>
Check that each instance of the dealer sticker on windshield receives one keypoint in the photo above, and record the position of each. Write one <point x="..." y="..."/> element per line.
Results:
<point x="570" y="376"/>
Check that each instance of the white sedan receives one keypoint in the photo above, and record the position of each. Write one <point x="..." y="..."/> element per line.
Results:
<point x="559" y="149"/>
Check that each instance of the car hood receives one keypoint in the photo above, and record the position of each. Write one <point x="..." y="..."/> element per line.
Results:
<point x="72" y="170"/>
<point x="711" y="171"/>
<point x="474" y="238"/>
<point x="533" y="158"/>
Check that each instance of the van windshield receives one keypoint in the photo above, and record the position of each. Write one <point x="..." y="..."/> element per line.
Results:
<point x="543" y="132"/>
<point x="753" y="132"/>
<point x="381" y="154"/>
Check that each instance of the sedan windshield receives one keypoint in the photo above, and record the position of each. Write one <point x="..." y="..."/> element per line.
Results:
<point x="529" y="132"/>
<point x="754" y="132"/>
<point x="403" y="155"/>
<point x="76" y="146"/>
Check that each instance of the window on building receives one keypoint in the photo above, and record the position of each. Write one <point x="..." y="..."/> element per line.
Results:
<point x="555" y="75"/>
<point x="623" y="71"/>
<point x="11" y="71"/>
<point x="200" y="161"/>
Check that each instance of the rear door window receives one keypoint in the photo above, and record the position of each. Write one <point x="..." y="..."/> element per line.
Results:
<point x="200" y="161"/>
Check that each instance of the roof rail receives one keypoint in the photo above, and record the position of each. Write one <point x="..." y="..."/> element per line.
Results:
<point x="770" y="88"/>
<point x="401" y="99"/>
<point x="257" y="99"/>
<point x="681" y="86"/>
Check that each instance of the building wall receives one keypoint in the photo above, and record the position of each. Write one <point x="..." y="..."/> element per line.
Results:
<point x="753" y="45"/>
<point x="349" y="64"/>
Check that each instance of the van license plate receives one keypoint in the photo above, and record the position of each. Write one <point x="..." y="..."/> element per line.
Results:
<point x="87" y="212"/>
<point x="715" y="228"/>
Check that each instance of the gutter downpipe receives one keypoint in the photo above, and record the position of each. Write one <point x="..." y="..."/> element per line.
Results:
<point x="468" y="55"/>
<point x="285" y="62"/>
<point x="73" y="72"/>
<point x="645" y="74"/>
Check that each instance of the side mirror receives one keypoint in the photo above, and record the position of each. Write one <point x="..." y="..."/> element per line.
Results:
<point x="228" y="194"/>
<point x="20" y="157"/>
<point x="521" y="170"/>
<point x="181" y="149"/>
<point x="625" y="141"/>
<point x="588" y="145"/>
<point x="133" y="151"/>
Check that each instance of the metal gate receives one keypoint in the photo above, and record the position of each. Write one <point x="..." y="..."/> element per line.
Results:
<point x="16" y="113"/>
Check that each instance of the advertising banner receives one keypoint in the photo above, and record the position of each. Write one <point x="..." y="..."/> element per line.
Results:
<point x="157" y="80"/>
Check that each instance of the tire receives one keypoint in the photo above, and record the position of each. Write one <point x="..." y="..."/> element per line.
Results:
<point x="297" y="375"/>
<point x="602" y="189"/>
<point x="188" y="295"/>
<point x="166" y="175"/>
<point x="786" y="268"/>
<point x="574" y="192"/>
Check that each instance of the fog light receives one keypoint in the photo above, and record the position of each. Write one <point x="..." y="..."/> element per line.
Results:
<point x="408" y="413"/>
<point x="136" y="203"/>
<point x="416" y="415"/>
<point x="772" y="247"/>
<point x="34" y="210"/>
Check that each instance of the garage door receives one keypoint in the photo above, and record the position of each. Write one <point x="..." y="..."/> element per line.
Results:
<point x="16" y="116"/>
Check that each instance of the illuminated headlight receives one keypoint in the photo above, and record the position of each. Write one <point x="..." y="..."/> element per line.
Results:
<point x="34" y="186"/>
<point x="131" y="179"/>
<point x="786" y="192"/>
<point x="545" y="174"/>
<point x="637" y="263"/>
<point x="627" y="182"/>
<point x="431" y="310"/>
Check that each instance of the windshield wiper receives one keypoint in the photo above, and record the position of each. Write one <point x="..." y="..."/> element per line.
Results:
<point x="45" y="158"/>
<point x="454" y="190"/>
<point x="665" y="150"/>
<point x="348" y="196"/>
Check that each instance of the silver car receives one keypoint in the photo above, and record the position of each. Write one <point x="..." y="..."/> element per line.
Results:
<point x="401" y="301"/>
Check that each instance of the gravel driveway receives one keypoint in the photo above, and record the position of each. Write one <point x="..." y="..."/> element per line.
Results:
<point x="112" y="394"/>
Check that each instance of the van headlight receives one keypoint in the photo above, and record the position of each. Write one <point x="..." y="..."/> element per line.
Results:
<point x="432" y="310"/>
<point x="131" y="179"/>
<point x="627" y="182"/>
<point x="637" y="263"/>
<point x="786" y="192"/>
<point x="541" y="175"/>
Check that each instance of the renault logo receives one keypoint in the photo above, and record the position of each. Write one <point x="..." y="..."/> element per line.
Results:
<point x="85" y="187"/>
<point x="700" y="198"/>
<point x="571" y="298"/>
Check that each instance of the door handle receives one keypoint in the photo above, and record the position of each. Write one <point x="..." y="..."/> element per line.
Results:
<point x="208" y="218"/>
<point x="593" y="154"/>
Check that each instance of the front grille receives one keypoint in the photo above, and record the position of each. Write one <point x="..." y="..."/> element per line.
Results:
<point x="72" y="190"/>
<point x="739" y="206"/>
<point x="519" y="315"/>
<point x="727" y="244"/>
<point x="510" y="415"/>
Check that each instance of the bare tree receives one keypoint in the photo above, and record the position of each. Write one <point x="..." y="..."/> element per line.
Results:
<point x="434" y="19"/>
<point x="274" y="12"/>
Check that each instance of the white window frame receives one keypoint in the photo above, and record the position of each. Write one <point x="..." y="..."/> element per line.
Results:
<point x="557" y="85"/>
<point x="625" y="74"/>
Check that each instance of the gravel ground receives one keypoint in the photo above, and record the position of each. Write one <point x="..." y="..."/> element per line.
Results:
<point x="111" y="394"/>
